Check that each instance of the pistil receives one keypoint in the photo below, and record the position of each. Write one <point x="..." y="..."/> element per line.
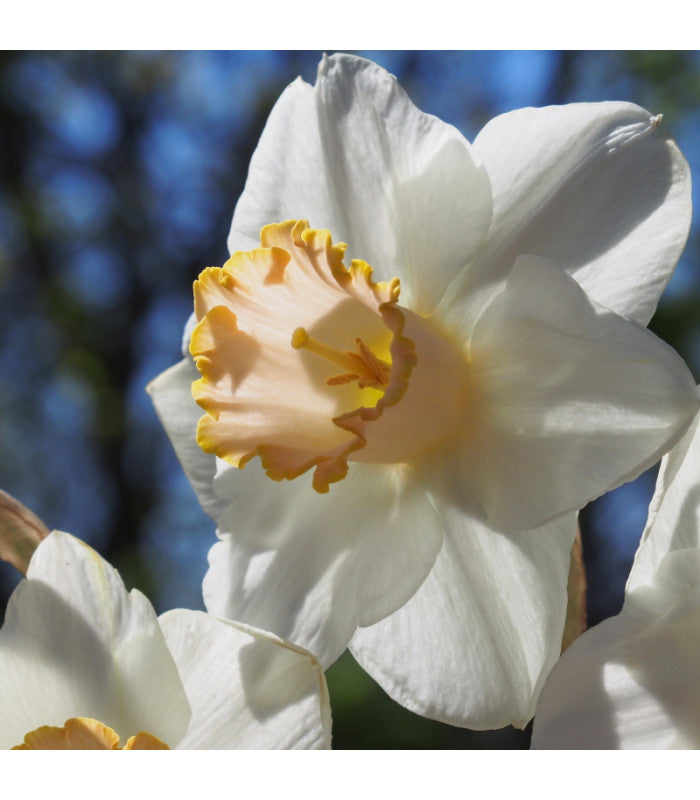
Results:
<point x="364" y="366"/>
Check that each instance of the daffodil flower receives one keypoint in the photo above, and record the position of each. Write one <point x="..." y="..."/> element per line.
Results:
<point x="394" y="436"/>
<point x="86" y="665"/>
<point x="632" y="681"/>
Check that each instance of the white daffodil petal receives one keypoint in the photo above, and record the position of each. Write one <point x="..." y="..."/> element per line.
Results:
<point x="574" y="399"/>
<point x="674" y="513"/>
<point x="248" y="689"/>
<point x="284" y="180"/>
<point x="473" y="645"/>
<point x="631" y="682"/>
<point x="332" y="561"/>
<point x="354" y="155"/>
<point x="171" y="393"/>
<point x="594" y="188"/>
<point x="76" y="644"/>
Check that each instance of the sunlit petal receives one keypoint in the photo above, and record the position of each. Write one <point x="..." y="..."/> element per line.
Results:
<point x="594" y="187"/>
<point x="76" y="644"/>
<point x="354" y="155"/>
<point x="171" y="393"/>
<point x="631" y="682"/>
<point x="473" y="645"/>
<point x="574" y="399"/>
<point x="247" y="689"/>
<point x="314" y="566"/>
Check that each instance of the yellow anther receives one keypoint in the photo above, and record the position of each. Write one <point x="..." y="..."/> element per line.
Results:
<point x="363" y="366"/>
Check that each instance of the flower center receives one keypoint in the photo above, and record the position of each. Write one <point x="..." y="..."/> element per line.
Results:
<point x="363" y="366"/>
<point x="84" y="733"/>
<point x="401" y="392"/>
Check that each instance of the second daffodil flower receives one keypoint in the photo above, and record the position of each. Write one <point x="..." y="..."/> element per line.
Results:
<point x="632" y="681"/>
<point x="394" y="437"/>
<point x="86" y="665"/>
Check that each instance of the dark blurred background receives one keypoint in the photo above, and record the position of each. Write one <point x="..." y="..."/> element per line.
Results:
<point x="119" y="172"/>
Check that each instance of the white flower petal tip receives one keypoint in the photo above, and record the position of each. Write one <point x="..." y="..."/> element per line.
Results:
<point x="631" y="682"/>
<point x="565" y="383"/>
<point x="171" y="393"/>
<point x="353" y="155"/>
<point x="86" y="665"/>
<point x="276" y="695"/>
<point x="20" y="532"/>
<point x="473" y="645"/>
<point x="362" y="549"/>
<point x="613" y="195"/>
<point x="500" y="391"/>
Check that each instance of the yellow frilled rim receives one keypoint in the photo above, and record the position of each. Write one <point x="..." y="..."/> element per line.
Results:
<point x="261" y="394"/>
<point x="84" y="733"/>
<point x="274" y="327"/>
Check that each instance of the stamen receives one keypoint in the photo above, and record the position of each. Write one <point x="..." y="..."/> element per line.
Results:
<point x="363" y="366"/>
